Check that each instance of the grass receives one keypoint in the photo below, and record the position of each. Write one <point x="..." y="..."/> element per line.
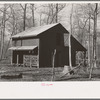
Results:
<point x="45" y="74"/>
<point x="29" y="74"/>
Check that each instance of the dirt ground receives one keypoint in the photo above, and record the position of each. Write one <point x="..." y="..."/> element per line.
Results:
<point x="28" y="74"/>
<point x="45" y="74"/>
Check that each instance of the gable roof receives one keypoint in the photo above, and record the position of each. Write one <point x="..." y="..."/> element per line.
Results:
<point x="34" y="31"/>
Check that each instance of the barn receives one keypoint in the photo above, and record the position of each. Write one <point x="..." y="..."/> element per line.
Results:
<point x="35" y="46"/>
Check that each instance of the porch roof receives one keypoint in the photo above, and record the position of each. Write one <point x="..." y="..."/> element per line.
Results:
<point x="23" y="48"/>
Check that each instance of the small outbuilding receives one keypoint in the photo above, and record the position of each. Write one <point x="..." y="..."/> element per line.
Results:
<point x="35" y="46"/>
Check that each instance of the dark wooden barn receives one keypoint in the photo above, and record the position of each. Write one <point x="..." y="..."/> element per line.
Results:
<point x="35" y="46"/>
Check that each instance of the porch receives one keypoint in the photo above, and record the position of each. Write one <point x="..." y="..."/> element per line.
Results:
<point x="25" y="56"/>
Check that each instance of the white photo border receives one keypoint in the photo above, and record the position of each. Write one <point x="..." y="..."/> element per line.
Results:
<point x="58" y="90"/>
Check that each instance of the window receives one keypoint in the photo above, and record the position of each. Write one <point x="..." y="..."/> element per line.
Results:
<point x="66" y="39"/>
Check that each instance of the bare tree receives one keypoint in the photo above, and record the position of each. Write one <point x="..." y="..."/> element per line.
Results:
<point x="51" y="12"/>
<point x="89" y="57"/>
<point x="57" y="6"/>
<point x="14" y="26"/>
<point x="71" y="30"/>
<point x="94" y="39"/>
<point x="55" y="14"/>
<point x="95" y="34"/>
<point x="24" y="15"/>
<point x="3" y="30"/>
<point x="53" y="65"/>
<point x="33" y="19"/>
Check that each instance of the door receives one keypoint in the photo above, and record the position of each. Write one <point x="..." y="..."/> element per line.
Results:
<point x="17" y="58"/>
<point x="14" y="57"/>
<point x="20" y="58"/>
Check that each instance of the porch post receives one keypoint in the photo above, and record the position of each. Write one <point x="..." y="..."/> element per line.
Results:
<point x="17" y="60"/>
<point x="30" y="61"/>
<point x="11" y="52"/>
<point x="84" y="57"/>
<point x="38" y="55"/>
<point x="11" y="56"/>
<point x="76" y="60"/>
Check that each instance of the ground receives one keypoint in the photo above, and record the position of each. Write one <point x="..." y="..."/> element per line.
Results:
<point x="44" y="74"/>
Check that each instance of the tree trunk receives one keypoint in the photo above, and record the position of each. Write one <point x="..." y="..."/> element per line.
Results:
<point x="94" y="41"/>
<point x="2" y="39"/>
<point x="95" y="36"/>
<point x="56" y="13"/>
<point x="53" y="65"/>
<point x="14" y="31"/>
<point x="3" y="32"/>
<point x="89" y="58"/>
<point x="70" y="59"/>
<point x="33" y="14"/>
<point x="24" y="17"/>
<point x="89" y="47"/>
<point x="40" y="19"/>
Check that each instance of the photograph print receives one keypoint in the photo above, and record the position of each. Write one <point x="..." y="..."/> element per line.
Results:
<point x="49" y="42"/>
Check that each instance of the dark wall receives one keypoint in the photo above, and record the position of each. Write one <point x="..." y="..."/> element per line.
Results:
<point x="47" y="46"/>
<point x="50" y="40"/>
